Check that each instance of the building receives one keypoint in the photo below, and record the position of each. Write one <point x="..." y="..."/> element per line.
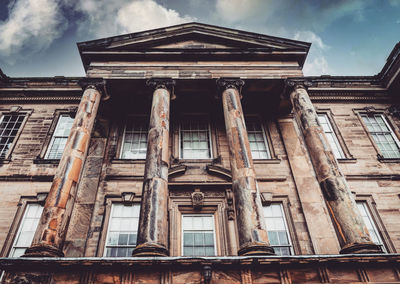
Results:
<point x="251" y="172"/>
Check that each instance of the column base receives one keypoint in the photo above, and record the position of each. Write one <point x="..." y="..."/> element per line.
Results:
<point x="256" y="248"/>
<point x="43" y="250"/>
<point x="361" y="248"/>
<point x="150" y="249"/>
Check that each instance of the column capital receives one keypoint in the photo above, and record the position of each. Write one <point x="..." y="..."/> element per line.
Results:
<point x="96" y="84"/>
<point x="226" y="83"/>
<point x="161" y="83"/>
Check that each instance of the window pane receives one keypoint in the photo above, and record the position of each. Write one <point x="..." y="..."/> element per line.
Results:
<point x="278" y="233"/>
<point x="331" y="136"/>
<point x="383" y="135"/>
<point x="9" y="126"/>
<point x="258" y="143"/>
<point x="134" y="145"/>
<point x="26" y="230"/>
<point x="198" y="235"/>
<point x="195" y="138"/>
<point x="122" y="230"/>
<point x="60" y="137"/>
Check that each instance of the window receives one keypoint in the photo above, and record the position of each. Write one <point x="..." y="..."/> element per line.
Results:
<point x="134" y="142"/>
<point x="195" y="138"/>
<point x="122" y="230"/>
<point x="257" y="139"/>
<point x="277" y="227"/>
<point x="383" y="135"/>
<point x="331" y="136"/>
<point x="60" y="137"/>
<point x="26" y="230"/>
<point x="198" y="236"/>
<point x="9" y="126"/>
<point x="372" y="229"/>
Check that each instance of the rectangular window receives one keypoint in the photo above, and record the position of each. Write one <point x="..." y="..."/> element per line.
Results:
<point x="369" y="222"/>
<point x="383" y="135"/>
<point x="134" y="142"/>
<point x="26" y="230"/>
<point x="257" y="139"/>
<point x="9" y="126"/>
<point x="331" y="136"/>
<point x="60" y="137"/>
<point x="278" y="232"/>
<point x="122" y="230"/>
<point x="195" y="138"/>
<point x="198" y="235"/>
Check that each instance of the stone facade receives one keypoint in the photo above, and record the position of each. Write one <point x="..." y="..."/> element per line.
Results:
<point x="169" y="77"/>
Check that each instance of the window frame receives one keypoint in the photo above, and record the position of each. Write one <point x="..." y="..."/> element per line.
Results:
<point x="377" y="221"/>
<point x="24" y="201"/>
<point x="210" y="138"/>
<point x="388" y="122"/>
<point x="266" y="137"/>
<point x="335" y="138"/>
<point x="122" y="137"/>
<point x="214" y="231"/>
<point x="51" y="142"/>
<point x="347" y="156"/>
<point x="16" y="110"/>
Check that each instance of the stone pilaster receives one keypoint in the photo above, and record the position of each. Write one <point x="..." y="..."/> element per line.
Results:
<point x="352" y="232"/>
<point x="50" y="234"/>
<point x="253" y="237"/>
<point x="153" y="224"/>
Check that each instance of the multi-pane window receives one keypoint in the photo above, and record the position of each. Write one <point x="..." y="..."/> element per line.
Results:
<point x="277" y="228"/>
<point x="257" y="139"/>
<point x="9" y="126"/>
<point x="134" y="144"/>
<point x="60" y="137"/>
<point x="331" y="136"/>
<point x="195" y="138"/>
<point x="368" y="221"/>
<point x="122" y="230"/>
<point x="198" y="236"/>
<point x="383" y="135"/>
<point x="26" y="230"/>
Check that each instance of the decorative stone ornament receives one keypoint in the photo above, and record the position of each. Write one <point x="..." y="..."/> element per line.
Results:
<point x="197" y="200"/>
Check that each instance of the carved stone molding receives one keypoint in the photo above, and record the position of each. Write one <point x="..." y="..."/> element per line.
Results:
<point x="230" y="210"/>
<point x="197" y="199"/>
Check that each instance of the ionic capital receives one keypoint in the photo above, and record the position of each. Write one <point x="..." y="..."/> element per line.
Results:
<point x="227" y="83"/>
<point x="96" y="84"/>
<point x="161" y="83"/>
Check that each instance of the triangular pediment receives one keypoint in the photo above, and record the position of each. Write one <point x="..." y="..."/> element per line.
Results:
<point x="193" y="36"/>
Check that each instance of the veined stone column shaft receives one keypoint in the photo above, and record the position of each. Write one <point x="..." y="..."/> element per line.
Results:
<point x="153" y="225"/>
<point x="352" y="232"/>
<point x="253" y="237"/>
<point x="50" y="234"/>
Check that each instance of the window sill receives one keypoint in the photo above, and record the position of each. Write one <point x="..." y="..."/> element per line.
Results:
<point x="128" y="161"/>
<point x="347" y="161"/>
<point x="188" y="161"/>
<point x="5" y="161"/>
<point x="46" y="161"/>
<point x="389" y="160"/>
<point x="267" y="161"/>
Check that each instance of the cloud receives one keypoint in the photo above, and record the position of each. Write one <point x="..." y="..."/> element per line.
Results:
<point x="31" y="26"/>
<point x="102" y="18"/>
<point x="316" y="62"/>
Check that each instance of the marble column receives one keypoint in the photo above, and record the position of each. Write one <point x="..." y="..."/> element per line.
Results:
<point x="351" y="230"/>
<point x="152" y="237"/>
<point x="50" y="234"/>
<point x="253" y="237"/>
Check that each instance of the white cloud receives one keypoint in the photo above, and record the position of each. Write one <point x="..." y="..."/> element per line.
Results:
<point x="233" y="11"/>
<point x="104" y="18"/>
<point x="31" y="26"/>
<point x="316" y="63"/>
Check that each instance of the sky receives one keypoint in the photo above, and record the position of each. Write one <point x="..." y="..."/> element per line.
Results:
<point x="349" y="37"/>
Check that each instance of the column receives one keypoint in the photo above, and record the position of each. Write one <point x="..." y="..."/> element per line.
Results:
<point x="253" y="237"/>
<point x="152" y="237"/>
<point x="352" y="232"/>
<point x="50" y="234"/>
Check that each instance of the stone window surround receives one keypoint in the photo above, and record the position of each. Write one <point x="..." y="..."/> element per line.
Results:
<point x="40" y="159"/>
<point x="348" y="157"/>
<point x="373" y="210"/>
<point x="389" y="120"/>
<point x="40" y="198"/>
<point x="14" y="110"/>
<point x="215" y="205"/>
<point x="268" y="198"/>
<point x="125" y="198"/>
